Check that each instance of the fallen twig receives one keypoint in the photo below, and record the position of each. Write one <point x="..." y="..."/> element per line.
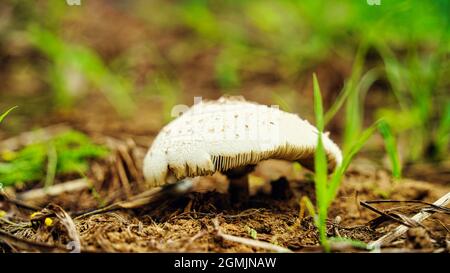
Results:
<point x="17" y="202"/>
<point x="393" y="217"/>
<point x="432" y="206"/>
<point x="14" y="241"/>
<point x="247" y="241"/>
<point x="146" y="197"/>
<point x="54" y="190"/>
<point x="400" y="230"/>
<point x="123" y="177"/>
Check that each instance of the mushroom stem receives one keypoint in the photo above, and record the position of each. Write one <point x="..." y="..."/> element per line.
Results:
<point x="239" y="186"/>
<point x="281" y="189"/>
<point x="239" y="189"/>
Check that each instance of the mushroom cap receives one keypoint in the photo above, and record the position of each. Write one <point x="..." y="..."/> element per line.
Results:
<point x="221" y="135"/>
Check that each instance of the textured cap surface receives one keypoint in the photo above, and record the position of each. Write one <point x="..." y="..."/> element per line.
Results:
<point x="228" y="133"/>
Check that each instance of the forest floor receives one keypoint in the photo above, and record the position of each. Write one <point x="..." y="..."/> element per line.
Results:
<point x="195" y="222"/>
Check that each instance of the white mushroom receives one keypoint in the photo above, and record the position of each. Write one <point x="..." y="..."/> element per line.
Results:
<point x="228" y="135"/>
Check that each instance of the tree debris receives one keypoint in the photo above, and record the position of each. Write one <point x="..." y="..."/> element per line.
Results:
<point x="400" y="230"/>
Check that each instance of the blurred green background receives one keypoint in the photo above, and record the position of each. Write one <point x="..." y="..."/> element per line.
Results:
<point x="120" y="66"/>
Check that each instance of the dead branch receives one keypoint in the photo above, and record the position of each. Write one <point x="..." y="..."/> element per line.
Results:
<point x="16" y="242"/>
<point x="400" y="230"/>
<point x="432" y="206"/>
<point x="54" y="190"/>
<point x="146" y="197"/>
<point x="18" y="203"/>
<point x="123" y="177"/>
<point x="391" y="216"/>
<point x="247" y="241"/>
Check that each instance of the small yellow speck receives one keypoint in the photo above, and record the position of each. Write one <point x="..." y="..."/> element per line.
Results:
<point x="34" y="214"/>
<point x="48" y="222"/>
<point x="2" y="213"/>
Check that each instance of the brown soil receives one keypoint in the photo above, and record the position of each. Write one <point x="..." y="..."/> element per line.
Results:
<point x="185" y="224"/>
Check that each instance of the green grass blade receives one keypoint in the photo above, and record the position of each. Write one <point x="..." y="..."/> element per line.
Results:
<point x="394" y="73"/>
<point x="320" y="178"/>
<point x="340" y="171"/>
<point x="353" y="106"/>
<point x="320" y="167"/>
<point x="350" y="85"/>
<point x="318" y="105"/>
<point x="343" y="95"/>
<point x="2" y="116"/>
<point x="391" y="148"/>
<point x="305" y="201"/>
